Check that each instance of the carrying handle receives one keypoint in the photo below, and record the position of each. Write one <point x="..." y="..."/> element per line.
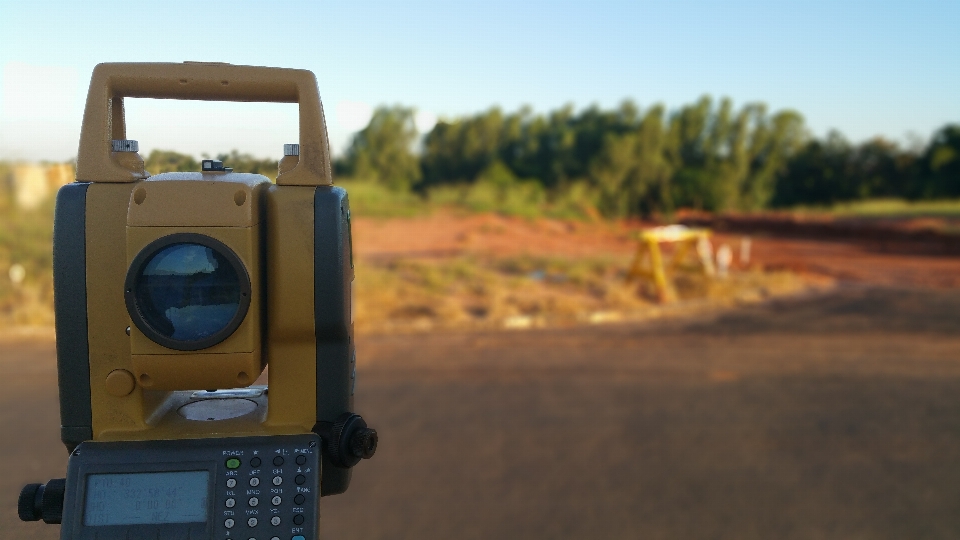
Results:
<point x="103" y="118"/>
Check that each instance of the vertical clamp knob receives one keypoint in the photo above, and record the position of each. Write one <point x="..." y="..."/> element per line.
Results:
<point x="347" y="440"/>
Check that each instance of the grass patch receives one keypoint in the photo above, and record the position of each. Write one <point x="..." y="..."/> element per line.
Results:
<point x="522" y="199"/>
<point x="890" y="208"/>
<point x="373" y="199"/>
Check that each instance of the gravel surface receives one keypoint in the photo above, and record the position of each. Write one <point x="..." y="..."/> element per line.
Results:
<point x="834" y="416"/>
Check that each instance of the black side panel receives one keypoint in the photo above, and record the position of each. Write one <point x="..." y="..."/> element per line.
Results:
<point x="70" y="305"/>
<point x="333" y="274"/>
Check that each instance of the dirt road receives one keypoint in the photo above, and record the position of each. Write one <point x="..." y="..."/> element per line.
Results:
<point x="831" y="417"/>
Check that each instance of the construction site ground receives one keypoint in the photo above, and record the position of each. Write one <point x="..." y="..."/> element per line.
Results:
<point x="829" y="412"/>
<point x="844" y="259"/>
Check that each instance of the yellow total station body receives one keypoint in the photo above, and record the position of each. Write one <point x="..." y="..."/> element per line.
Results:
<point x="170" y="287"/>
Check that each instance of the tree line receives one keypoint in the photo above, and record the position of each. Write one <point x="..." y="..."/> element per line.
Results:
<point x="707" y="155"/>
<point x="628" y="161"/>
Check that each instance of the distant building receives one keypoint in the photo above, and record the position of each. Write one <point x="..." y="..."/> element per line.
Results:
<point x="33" y="183"/>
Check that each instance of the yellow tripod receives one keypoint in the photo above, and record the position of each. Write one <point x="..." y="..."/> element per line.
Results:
<point x="692" y="252"/>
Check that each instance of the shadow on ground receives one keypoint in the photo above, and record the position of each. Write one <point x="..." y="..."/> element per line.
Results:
<point x="829" y="417"/>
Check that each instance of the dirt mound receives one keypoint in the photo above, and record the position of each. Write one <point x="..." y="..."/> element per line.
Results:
<point x="925" y="235"/>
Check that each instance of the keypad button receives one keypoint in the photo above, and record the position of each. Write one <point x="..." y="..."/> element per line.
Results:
<point x="233" y="463"/>
<point x="301" y="459"/>
<point x="228" y="523"/>
<point x="252" y="522"/>
<point x="254" y="481"/>
<point x="253" y="501"/>
<point x="275" y="520"/>
<point x="298" y="519"/>
<point x="231" y="503"/>
<point x="275" y="538"/>
<point x="278" y="461"/>
<point x="299" y="499"/>
<point x="277" y="480"/>
<point x="231" y="482"/>
<point x="255" y="462"/>
<point x="276" y="500"/>
<point x="300" y="479"/>
<point x="298" y="537"/>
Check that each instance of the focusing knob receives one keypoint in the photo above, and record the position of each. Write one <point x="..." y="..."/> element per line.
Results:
<point x="52" y="500"/>
<point x="28" y="505"/>
<point x="38" y="501"/>
<point x="363" y="444"/>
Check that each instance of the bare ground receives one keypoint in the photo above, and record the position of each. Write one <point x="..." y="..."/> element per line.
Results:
<point x="840" y="258"/>
<point x="832" y="416"/>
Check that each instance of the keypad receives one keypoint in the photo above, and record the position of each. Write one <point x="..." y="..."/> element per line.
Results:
<point x="286" y="477"/>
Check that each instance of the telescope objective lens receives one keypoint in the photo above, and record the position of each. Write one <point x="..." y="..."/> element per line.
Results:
<point x="188" y="292"/>
<point x="187" y="295"/>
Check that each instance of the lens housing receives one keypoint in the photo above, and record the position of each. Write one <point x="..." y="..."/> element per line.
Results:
<point x="187" y="291"/>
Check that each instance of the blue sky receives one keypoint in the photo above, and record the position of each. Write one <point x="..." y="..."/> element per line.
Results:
<point x="866" y="68"/>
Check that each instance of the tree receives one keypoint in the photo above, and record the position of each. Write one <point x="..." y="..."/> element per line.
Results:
<point x="383" y="151"/>
<point x="161" y="161"/>
<point x="632" y="171"/>
<point x="941" y="164"/>
<point x="819" y="174"/>
<point x="246" y="163"/>
<point x="458" y="151"/>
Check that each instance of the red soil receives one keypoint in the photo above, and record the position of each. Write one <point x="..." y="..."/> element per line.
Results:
<point x="839" y="256"/>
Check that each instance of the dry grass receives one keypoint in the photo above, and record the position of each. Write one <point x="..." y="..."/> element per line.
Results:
<point x="420" y="295"/>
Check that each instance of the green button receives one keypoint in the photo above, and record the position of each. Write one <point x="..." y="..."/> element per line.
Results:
<point x="233" y="463"/>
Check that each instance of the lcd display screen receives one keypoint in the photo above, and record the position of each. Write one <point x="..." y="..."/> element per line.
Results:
<point x="146" y="498"/>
